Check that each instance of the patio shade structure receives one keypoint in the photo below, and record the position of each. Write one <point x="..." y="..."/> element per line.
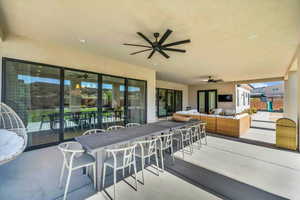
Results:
<point x="13" y="136"/>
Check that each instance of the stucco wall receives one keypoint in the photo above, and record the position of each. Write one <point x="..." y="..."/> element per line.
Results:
<point x="175" y="86"/>
<point x="291" y="98"/>
<point x="30" y="50"/>
<point x="222" y="88"/>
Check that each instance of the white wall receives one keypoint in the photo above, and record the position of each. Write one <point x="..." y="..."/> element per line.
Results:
<point x="175" y="86"/>
<point x="291" y="96"/>
<point x="222" y="88"/>
<point x="30" y="50"/>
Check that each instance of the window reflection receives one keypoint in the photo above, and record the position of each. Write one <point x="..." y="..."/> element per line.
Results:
<point x="113" y="96"/>
<point x="169" y="101"/>
<point x="80" y="102"/>
<point x="136" y="101"/>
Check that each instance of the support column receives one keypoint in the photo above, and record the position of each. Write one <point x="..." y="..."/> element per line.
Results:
<point x="291" y="96"/>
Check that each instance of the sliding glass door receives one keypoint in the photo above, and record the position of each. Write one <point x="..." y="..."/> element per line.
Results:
<point x="168" y="101"/>
<point x="207" y="100"/>
<point x="58" y="104"/>
<point x="33" y="92"/>
<point x="136" y="101"/>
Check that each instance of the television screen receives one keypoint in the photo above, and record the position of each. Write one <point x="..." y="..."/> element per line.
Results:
<point x="225" y="98"/>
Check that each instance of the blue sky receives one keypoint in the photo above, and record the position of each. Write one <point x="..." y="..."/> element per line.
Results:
<point x="265" y="84"/>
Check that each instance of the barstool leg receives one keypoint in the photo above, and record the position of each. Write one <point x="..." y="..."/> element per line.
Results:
<point x="143" y="166"/>
<point x="67" y="184"/>
<point x="94" y="174"/>
<point x="162" y="160"/>
<point x="61" y="175"/>
<point x="182" y="148"/>
<point x="135" y="174"/>
<point x="115" y="181"/>
<point x="104" y="174"/>
<point x="157" y="166"/>
<point x="172" y="154"/>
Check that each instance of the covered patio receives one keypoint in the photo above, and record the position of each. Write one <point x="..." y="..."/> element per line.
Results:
<point x="100" y="90"/>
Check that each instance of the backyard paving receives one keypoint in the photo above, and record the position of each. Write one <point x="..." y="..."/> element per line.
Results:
<point x="267" y="116"/>
<point x="262" y="135"/>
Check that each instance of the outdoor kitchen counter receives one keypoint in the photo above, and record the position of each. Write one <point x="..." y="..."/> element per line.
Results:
<point x="96" y="143"/>
<point x="233" y="126"/>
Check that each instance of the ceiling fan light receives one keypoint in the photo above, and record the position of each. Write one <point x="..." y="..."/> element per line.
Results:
<point x="77" y="86"/>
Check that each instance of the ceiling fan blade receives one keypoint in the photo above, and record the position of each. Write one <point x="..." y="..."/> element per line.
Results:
<point x="177" y="43"/>
<point x="164" y="37"/>
<point x="177" y="50"/>
<point x="151" y="54"/>
<point x="140" y="51"/>
<point x="137" y="45"/>
<point x="145" y="38"/>
<point x="164" y="54"/>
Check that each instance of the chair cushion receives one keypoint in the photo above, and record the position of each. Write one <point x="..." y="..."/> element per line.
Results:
<point x="82" y="160"/>
<point x="11" y="145"/>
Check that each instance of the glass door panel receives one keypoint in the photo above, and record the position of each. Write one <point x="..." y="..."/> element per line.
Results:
<point x="80" y="102"/>
<point x="178" y="100"/>
<point x="33" y="90"/>
<point x="113" y="99"/>
<point x="170" y="102"/>
<point x="201" y="102"/>
<point x="212" y="102"/>
<point x="136" y="101"/>
<point x="162" y="100"/>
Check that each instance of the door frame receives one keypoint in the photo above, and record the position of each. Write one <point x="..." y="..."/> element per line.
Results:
<point x="206" y="98"/>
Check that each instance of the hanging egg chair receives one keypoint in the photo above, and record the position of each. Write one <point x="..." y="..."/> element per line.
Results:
<point x="13" y="136"/>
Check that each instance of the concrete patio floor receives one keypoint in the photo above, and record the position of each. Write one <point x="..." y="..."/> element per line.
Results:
<point x="261" y="135"/>
<point x="271" y="170"/>
<point x="166" y="186"/>
<point x="223" y="169"/>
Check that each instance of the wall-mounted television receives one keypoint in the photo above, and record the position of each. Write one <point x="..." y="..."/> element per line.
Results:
<point x="225" y="98"/>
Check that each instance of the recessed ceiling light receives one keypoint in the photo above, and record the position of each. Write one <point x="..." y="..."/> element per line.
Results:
<point x="253" y="36"/>
<point x="82" y="41"/>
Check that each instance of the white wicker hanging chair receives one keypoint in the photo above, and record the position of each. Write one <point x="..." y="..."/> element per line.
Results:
<point x="13" y="136"/>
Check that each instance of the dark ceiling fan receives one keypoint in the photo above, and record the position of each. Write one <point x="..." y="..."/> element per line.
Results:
<point x="210" y="79"/>
<point x="158" y="45"/>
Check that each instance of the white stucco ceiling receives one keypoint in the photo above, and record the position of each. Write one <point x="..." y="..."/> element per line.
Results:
<point x="231" y="39"/>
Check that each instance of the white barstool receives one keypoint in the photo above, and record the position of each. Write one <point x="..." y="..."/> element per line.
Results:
<point x="121" y="159"/>
<point x="132" y="125"/>
<point x="145" y="150"/>
<point x="94" y="131"/>
<point x="75" y="158"/>
<point x="114" y="128"/>
<point x="165" y="142"/>
<point x="183" y="137"/>
<point x="195" y="135"/>
<point x="203" y="132"/>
